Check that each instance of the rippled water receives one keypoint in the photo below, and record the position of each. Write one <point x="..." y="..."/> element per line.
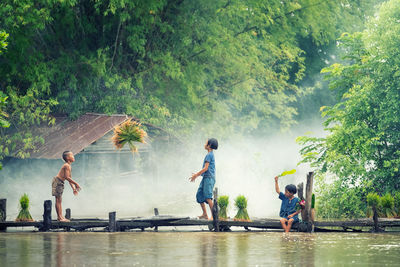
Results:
<point x="199" y="249"/>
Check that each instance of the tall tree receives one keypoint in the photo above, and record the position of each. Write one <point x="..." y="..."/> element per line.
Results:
<point x="363" y="145"/>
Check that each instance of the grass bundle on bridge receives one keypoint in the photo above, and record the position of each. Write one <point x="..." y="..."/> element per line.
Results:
<point x="223" y="202"/>
<point x="24" y="215"/>
<point x="241" y="205"/>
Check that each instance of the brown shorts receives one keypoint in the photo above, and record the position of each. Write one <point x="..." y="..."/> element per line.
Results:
<point x="57" y="187"/>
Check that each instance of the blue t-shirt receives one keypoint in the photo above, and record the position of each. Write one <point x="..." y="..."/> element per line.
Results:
<point x="288" y="206"/>
<point x="211" y="167"/>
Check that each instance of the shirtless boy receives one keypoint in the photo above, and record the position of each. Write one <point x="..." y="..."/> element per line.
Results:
<point x="58" y="183"/>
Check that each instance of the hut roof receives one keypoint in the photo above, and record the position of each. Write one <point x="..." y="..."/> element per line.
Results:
<point x="75" y="135"/>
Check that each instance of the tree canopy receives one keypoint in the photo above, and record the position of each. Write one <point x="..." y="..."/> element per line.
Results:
<point x="232" y="65"/>
<point x="363" y="145"/>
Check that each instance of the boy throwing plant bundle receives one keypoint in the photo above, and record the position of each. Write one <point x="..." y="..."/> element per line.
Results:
<point x="58" y="183"/>
<point x="288" y="210"/>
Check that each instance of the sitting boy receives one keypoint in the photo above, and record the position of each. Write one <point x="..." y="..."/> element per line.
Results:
<point x="288" y="208"/>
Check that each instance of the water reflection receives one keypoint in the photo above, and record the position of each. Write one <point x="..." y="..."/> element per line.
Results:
<point x="47" y="250"/>
<point x="198" y="249"/>
<point x="297" y="249"/>
<point x="208" y="250"/>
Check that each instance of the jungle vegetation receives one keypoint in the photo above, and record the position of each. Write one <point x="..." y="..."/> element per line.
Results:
<point x="246" y="67"/>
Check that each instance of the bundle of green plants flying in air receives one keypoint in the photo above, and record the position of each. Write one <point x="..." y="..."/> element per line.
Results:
<point x="24" y="215"/>
<point x="223" y="202"/>
<point x="241" y="205"/>
<point x="128" y="132"/>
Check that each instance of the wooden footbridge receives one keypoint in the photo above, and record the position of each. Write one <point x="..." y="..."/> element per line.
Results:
<point x="153" y="223"/>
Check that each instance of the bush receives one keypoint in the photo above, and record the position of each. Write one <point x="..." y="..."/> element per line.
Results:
<point x="337" y="201"/>
<point x="386" y="207"/>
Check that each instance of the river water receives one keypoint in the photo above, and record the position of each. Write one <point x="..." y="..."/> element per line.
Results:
<point x="199" y="249"/>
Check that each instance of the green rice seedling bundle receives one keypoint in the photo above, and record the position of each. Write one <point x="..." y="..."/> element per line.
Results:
<point x="387" y="205"/>
<point x="24" y="215"/>
<point x="241" y="205"/>
<point x="128" y="132"/>
<point x="223" y="202"/>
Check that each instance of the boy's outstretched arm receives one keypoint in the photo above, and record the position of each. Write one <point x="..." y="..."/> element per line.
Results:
<point x="69" y="179"/>
<point x="195" y="175"/>
<point x="276" y="185"/>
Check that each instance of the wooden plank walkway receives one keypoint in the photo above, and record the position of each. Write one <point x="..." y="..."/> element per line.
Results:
<point x="165" y="221"/>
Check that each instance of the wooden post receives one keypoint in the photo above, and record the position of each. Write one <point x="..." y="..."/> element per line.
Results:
<point x="68" y="214"/>
<point x="309" y="189"/>
<point x="300" y="188"/>
<point x="215" y="211"/>
<point x="375" y="218"/>
<point x="156" y="214"/>
<point x="3" y="212"/>
<point x="112" y="223"/>
<point x="46" y="215"/>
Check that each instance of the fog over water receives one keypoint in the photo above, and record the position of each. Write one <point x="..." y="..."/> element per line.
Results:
<point x="244" y="166"/>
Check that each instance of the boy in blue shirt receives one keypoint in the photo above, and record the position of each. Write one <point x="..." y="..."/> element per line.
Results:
<point x="205" y="191"/>
<point x="288" y="210"/>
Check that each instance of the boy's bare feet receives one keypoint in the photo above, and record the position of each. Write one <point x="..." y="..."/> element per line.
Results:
<point x="63" y="220"/>
<point x="204" y="217"/>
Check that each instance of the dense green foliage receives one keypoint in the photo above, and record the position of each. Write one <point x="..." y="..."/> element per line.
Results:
<point x="362" y="148"/>
<point x="3" y="41"/>
<point x="231" y="65"/>
<point x="335" y="201"/>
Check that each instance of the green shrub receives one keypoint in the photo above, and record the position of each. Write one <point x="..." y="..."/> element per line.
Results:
<point x="373" y="200"/>
<point x="338" y="201"/>
<point x="387" y="205"/>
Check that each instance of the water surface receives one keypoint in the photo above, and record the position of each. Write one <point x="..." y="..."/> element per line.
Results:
<point x="199" y="249"/>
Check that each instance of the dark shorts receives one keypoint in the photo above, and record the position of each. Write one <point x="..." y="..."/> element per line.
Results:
<point x="57" y="187"/>
<point x="295" y="218"/>
<point x="205" y="190"/>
